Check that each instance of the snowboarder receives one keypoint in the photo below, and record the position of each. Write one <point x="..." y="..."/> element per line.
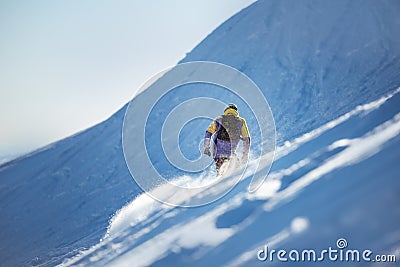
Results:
<point x="226" y="131"/>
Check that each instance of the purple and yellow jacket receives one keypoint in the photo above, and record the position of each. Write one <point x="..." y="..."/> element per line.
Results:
<point x="223" y="148"/>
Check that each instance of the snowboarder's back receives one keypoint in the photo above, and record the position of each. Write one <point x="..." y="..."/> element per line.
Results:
<point x="226" y="131"/>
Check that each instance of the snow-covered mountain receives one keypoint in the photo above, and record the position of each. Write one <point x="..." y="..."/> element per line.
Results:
<point x="337" y="181"/>
<point x="330" y="72"/>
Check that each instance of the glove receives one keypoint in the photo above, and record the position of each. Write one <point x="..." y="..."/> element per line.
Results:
<point x="207" y="151"/>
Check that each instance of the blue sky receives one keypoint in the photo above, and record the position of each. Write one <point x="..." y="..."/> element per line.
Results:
<point x="67" y="65"/>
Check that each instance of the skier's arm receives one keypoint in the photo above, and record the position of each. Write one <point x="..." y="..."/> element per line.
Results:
<point x="246" y="139"/>
<point x="207" y="137"/>
<point x="211" y="129"/>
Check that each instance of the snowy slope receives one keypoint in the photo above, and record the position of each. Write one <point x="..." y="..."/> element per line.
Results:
<point x="51" y="202"/>
<point x="306" y="55"/>
<point x="337" y="190"/>
<point x="314" y="61"/>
